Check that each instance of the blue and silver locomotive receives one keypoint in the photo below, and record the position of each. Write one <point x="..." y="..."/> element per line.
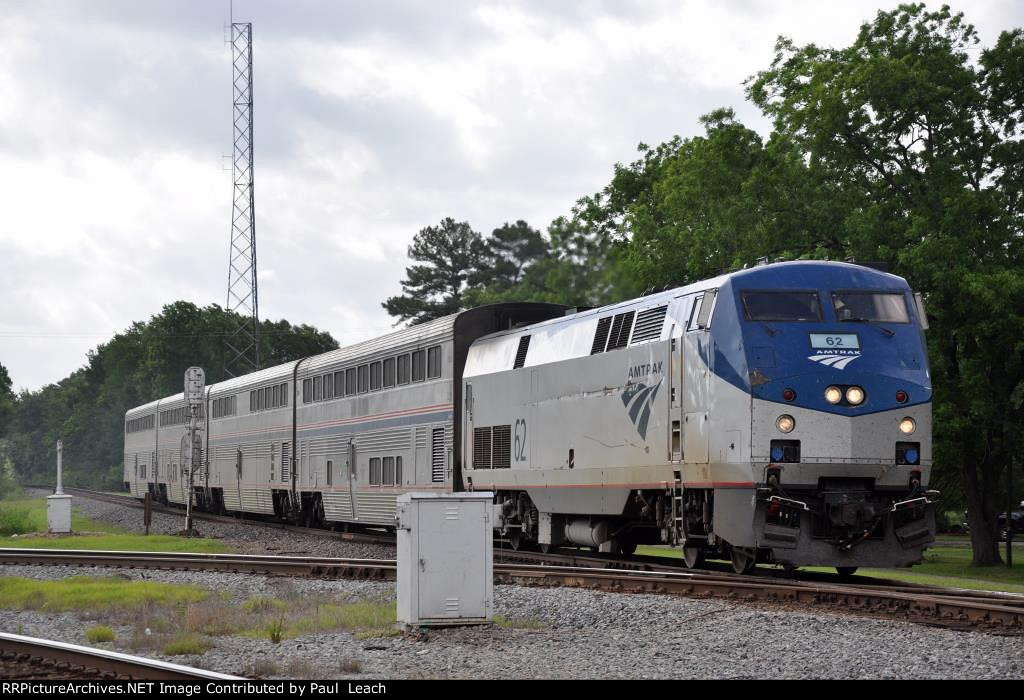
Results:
<point x="780" y="413"/>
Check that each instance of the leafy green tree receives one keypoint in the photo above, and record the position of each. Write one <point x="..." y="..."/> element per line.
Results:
<point x="929" y="141"/>
<point x="900" y="148"/>
<point x="6" y="399"/>
<point x="145" y="362"/>
<point x="454" y="257"/>
<point x="511" y="250"/>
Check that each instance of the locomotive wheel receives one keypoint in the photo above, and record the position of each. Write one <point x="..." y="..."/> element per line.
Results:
<point x="545" y="548"/>
<point x="515" y="540"/>
<point x="845" y="571"/>
<point x="693" y="557"/>
<point x="627" y="547"/>
<point x="743" y="560"/>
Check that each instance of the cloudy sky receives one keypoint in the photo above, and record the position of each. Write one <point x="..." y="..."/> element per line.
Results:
<point x="372" y="120"/>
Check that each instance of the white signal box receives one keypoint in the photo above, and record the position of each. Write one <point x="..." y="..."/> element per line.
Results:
<point x="445" y="559"/>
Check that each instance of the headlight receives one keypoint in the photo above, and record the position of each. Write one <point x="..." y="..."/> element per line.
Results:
<point x="855" y="395"/>
<point x="785" y="423"/>
<point x="833" y="394"/>
<point x="907" y="426"/>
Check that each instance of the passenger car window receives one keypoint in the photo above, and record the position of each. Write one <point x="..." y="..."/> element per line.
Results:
<point x="887" y="307"/>
<point x="781" y="306"/>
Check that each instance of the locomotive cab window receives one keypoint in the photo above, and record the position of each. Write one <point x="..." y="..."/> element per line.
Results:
<point x="781" y="306"/>
<point x="886" y="307"/>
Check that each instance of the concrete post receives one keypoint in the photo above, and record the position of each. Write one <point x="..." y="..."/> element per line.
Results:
<point x="58" y="506"/>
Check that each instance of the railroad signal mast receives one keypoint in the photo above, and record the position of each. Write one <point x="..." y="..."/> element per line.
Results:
<point x="243" y="298"/>
<point x="192" y="455"/>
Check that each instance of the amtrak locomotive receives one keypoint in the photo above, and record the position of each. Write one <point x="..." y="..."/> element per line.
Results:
<point x="779" y="414"/>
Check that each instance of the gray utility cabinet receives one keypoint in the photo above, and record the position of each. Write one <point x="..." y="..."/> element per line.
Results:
<point x="445" y="559"/>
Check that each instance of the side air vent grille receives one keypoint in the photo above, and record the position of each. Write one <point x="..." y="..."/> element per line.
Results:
<point x="524" y="347"/>
<point x="648" y="325"/>
<point x="613" y="332"/>
<point x="601" y="336"/>
<point x="621" y="327"/>
<point x="502" y="447"/>
<point x="482" y="448"/>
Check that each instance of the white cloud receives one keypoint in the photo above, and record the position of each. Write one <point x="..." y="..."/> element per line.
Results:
<point x="372" y="121"/>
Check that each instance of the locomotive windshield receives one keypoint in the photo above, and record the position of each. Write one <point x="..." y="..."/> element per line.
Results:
<point x="781" y="306"/>
<point x="870" y="306"/>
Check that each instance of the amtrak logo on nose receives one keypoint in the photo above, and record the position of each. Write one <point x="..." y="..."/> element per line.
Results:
<point x="835" y="361"/>
<point x="638" y="399"/>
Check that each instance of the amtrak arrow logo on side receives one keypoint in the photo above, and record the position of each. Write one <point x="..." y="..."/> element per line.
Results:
<point x="638" y="399"/>
<point x="834" y="361"/>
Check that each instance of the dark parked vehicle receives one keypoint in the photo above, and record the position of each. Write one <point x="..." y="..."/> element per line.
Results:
<point x="1016" y="522"/>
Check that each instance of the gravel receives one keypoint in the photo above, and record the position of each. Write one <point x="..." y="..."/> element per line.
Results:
<point x="580" y="634"/>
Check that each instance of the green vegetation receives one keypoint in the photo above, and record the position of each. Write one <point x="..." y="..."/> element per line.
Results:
<point x="186" y="644"/>
<point x="371" y="619"/>
<point x="902" y="148"/>
<point x="92" y="594"/>
<point x="100" y="633"/>
<point x="183" y="619"/>
<point x="943" y="566"/>
<point x="263" y="604"/>
<point x="14" y="521"/>
<point x="121" y="543"/>
<point x="144" y="362"/>
<point x="29" y="516"/>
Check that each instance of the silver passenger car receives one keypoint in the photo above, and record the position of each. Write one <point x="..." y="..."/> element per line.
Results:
<point x="333" y="438"/>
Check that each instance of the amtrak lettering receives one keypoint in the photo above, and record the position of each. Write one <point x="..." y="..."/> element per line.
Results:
<point x="644" y="370"/>
<point x="836" y="359"/>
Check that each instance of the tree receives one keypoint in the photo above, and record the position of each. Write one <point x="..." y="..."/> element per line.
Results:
<point x="929" y="141"/>
<point x="899" y="148"/>
<point x="455" y="256"/>
<point x="6" y="399"/>
<point x="511" y="250"/>
<point x="145" y="362"/>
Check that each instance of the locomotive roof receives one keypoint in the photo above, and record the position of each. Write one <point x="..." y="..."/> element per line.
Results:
<point x="784" y="275"/>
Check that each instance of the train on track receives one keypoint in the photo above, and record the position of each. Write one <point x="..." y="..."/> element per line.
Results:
<point x="780" y="413"/>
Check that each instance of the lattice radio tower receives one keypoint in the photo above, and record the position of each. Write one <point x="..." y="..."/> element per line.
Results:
<point x="243" y="343"/>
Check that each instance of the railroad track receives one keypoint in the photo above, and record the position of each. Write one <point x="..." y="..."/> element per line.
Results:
<point x="34" y="658"/>
<point x="947" y="607"/>
<point x="562" y="558"/>
<point x="132" y="502"/>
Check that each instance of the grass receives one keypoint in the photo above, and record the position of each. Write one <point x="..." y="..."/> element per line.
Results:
<point x="90" y="593"/>
<point x="186" y="644"/>
<point x="29" y="516"/>
<point x="100" y="633"/>
<point x="34" y="517"/>
<point x="947" y="565"/>
<point x="327" y="616"/>
<point x="121" y="543"/>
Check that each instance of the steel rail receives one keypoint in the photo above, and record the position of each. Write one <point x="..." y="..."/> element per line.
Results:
<point x="870" y="590"/>
<point x="132" y="502"/>
<point x="64" y="656"/>
<point x="938" y="605"/>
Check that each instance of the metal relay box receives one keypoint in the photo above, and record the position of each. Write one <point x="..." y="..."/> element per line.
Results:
<point x="445" y="559"/>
